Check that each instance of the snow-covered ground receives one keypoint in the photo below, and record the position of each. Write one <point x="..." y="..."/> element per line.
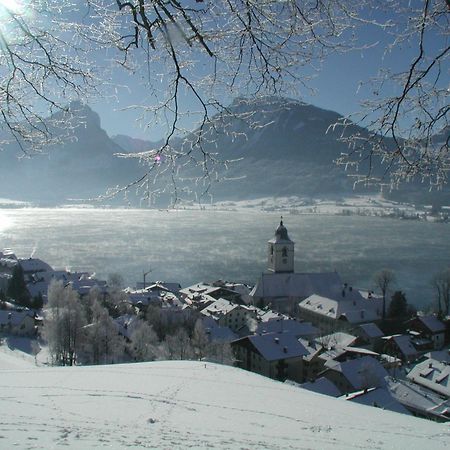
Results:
<point x="167" y="405"/>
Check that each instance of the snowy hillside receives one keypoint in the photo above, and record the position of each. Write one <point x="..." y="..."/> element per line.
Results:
<point x="168" y="405"/>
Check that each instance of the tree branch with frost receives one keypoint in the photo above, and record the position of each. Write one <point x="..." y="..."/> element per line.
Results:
<point x="404" y="127"/>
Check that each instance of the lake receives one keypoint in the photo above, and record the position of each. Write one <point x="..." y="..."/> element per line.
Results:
<point x="191" y="246"/>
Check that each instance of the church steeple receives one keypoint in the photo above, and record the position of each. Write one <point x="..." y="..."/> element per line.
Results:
<point x="280" y="256"/>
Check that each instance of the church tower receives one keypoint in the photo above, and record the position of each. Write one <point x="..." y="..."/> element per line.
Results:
<point x="280" y="251"/>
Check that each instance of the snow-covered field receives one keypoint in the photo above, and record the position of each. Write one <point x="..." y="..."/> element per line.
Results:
<point x="166" y="405"/>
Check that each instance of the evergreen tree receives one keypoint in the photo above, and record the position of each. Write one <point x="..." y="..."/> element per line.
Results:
<point x="17" y="288"/>
<point x="398" y="308"/>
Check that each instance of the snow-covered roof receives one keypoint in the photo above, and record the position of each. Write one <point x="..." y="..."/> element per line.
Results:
<point x="371" y="330"/>
<point x="281" y="235"/>
<point x="354" y="310"/>
<point x="404" y="344"/>
<point x="299" y="329"/>
<point x="276" y="346"/>
<point x="14" y="318"/>
<point x="380" y="397"/>
<point x="432" y="374"/>
<point x="338" y="339"/>
<point x="360" y="372"/>
<point x="216" y="332"/>
<point x="432" y="323"/>
<point x="222" y="307"/>
<point x="322" y="386"/>
<point x="418" y="398"/>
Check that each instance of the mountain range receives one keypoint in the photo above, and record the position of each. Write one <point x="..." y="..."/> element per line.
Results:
<point x="283" y="147"/>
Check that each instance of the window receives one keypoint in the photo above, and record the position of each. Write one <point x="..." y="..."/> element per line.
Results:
<point x="284" y="252"/>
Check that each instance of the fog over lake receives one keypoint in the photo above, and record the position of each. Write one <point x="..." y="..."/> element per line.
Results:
<point x="192" y="246"/>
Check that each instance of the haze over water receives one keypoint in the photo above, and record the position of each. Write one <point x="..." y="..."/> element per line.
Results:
<point x="194" y="246"/>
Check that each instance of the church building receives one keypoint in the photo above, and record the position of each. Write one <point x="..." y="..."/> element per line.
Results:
<point x="317" y="297"/>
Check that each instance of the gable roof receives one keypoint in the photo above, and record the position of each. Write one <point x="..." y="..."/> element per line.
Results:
<point x="379" y="398"/>
<point x="404" y="344"/>
<point x="276" y="346"/>
<point x="360" y="372"/>
<point x="418" y="398"/>
<point x="371" y="330"/>
<point x="432" y="323"/>
<point x="355" y="310"/>
<point x="322" y="386"/>
<point x="14" y="318"/>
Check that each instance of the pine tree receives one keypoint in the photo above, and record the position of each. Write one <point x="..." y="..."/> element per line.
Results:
<point x="17" y="288"/>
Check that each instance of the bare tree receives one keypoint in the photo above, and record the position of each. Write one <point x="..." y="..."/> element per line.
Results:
<point x="441" y="283"/>
<point x="384" y="279"/>
<point x="63" y="324"/>
<point x="103" y="344"/>
<point x="144" y="343"/>
<point x="407" y="113"/>
<point x="42" y="67"/>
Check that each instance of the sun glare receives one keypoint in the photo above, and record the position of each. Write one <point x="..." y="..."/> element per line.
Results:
<point x="13" y="6"/>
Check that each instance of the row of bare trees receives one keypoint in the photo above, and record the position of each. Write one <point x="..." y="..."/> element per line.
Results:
<point x="82" y="331"/>
<point x="385" y="279"/>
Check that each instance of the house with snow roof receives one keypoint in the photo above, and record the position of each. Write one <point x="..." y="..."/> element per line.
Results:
<point x="369" y="334"/>
<point x="217" y="333"/>
<point x="400" y="346"/>
<point x="432" y="374"/>
<point x="19" y="323"/>
<point x="422" y="402"/>
<point x="200" y="294"/>
<point x="229" y="314"/>
<point x="378" y="397"/>
<point x="322" y="386"/>
<point x="429" y="327"/>
<point x="355" y="374"/>
<point x="274" y="355"/>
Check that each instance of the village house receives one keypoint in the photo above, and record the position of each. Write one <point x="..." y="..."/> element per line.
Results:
<point x="18" y="323"/>
<point x="429" y="327"/>
<point x="229" y="314"/>
<point x="420" y="401"/>
<point x="322" y="386"/>
<point x="217" y="333"/>
<point x="355" y="374"/>
<point x="433" y="375"/>
<point x="343" y="311"/>
<point x="200" y="295"/>
<point x="378" y="397"/>
<point x="369" y="334"/>
<point x="274" y="355"/>
<point x="400" y="346"/>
